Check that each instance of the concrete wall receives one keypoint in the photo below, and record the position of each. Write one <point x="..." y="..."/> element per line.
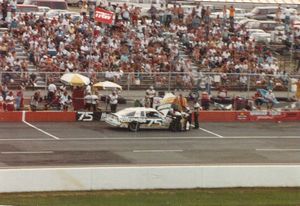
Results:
<point x="98" y="178"/>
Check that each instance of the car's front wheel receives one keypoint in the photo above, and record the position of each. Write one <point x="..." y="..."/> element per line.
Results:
<point x="134" y="126"/>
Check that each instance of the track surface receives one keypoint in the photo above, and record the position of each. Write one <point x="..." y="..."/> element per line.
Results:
<point x="95" y="143"/>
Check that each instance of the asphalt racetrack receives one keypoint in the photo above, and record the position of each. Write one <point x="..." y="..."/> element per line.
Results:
<point x="97" y="144"/>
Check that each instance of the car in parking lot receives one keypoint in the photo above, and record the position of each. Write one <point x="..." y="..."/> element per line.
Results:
<point x="260" y="36"/>
<point x="264" y="25"/>
<point x="292" y="13"/>
<point x="57" y="12"/>
<point x="53" y="4"/>
<point x="261" y="13"/>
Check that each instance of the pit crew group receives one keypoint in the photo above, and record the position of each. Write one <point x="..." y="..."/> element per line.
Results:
<point x="180" y="112"/>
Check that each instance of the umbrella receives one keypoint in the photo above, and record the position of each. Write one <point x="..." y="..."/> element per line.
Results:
<point x="75" y="79"/>
<point x="264" y="93"/>
<point x="168" y="98"/>
<point x="107" y="85"/>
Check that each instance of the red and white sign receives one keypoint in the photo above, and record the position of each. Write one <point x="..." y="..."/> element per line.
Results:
<point x="104" y="16"/>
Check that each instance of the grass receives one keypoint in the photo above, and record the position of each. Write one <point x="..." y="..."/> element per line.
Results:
<point x="197" y="197"/>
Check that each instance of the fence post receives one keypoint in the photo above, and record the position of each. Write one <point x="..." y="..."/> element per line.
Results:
<point x="289" y="88"/>
<point x="169" y="82"/>
<point x="46" y="82"/>
<point x="128" y="80"/>
<point x="248" y="85"/>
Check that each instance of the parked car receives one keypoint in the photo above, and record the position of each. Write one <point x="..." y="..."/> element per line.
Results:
<point x="57" y="12"/>
<point x="53" y="4"/>
<point x="26" y="8"/>
<point x="264" y="25"/>
<point x="261" y="13"/>
<point x="261" y="37"/>
<point x="43" y="9"/>
<point x="243" y="22"/>
<point x="291" y="12"/>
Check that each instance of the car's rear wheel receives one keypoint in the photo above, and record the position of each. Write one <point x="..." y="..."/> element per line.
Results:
<point x="134" y="126"/>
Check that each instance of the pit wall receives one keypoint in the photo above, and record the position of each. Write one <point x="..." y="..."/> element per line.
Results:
<point x="204" y="116"/>
<point x="148" y="177"/>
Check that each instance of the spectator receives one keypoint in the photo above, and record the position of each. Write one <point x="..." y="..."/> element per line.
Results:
<point x="298" y="90"/>
<point x="4" y="9"/>
<point x="94" y="101"/>
<point x="65" y="101"/>
<point x="1" y="103"/>
<point x="270" y="97"/>
<point x="51" y="92"/>
<point x="205" y="100"/>
<point x="10" y="102"/>
<point x="35" y="100"/>
<point x="231" y="17"/>
<point x="88" y="101"/>
<point x="20" y="98"/>
<point x="4" y="90"/>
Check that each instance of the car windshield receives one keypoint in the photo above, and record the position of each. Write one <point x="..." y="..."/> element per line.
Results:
<point x="254" y="11"/>
<point x="125" y="112"/>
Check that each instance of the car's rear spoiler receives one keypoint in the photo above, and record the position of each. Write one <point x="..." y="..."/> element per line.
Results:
<point x="164" y="108"/>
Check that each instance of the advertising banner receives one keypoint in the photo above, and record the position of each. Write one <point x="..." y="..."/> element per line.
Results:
<point x="104" y="16"/>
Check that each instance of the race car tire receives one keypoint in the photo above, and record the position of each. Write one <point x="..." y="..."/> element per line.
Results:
<point x="134" y="126"/>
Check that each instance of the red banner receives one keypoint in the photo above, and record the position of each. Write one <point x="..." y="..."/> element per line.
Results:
<point x="104" y="16"/>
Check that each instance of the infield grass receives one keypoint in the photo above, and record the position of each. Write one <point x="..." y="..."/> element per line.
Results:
<point x="197" y="197"/>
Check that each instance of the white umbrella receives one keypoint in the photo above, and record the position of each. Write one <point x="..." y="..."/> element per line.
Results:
<point x="107" y="85"/>
<point x="168" y="98"/>
<point x="75" y="79"/>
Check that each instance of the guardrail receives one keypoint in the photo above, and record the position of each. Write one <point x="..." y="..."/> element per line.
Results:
<point x="243" y="82"/>
<point x="204" y="116"/>
<point x="148" y="177"/>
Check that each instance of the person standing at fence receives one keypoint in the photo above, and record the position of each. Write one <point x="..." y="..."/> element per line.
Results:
<point x="1" y="103"/>
<point x="4" y="9"/>
<point x="65" y="101"/>
<point x="150" y="93"/>
<point x="10" y="102"/>
<point x="51" y="92"/>
<point x="88" y="101"/>
<point x="270" y="97"/>
<point x="113" y="101"/>
<point x="34" y="101"/>
<point x="20" y="99"/>
<point x="208" y="82"/>
<point x="298" y="90"/>
<point x="231" y="18"/>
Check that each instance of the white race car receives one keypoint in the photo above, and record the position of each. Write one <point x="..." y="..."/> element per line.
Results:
<point x="135" y="118"/>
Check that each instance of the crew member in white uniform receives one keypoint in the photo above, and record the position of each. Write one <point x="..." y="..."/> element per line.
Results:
<point x="151" y="94"/>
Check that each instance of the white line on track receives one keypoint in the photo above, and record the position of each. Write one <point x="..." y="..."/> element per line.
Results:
<point x="279" y="150"/>
<point x="210" y="132"/>
<point x="38" y="129"/>
<point x="149" y="138"/>
<point x="28" y="152"/>
<point x="153" y="151"/>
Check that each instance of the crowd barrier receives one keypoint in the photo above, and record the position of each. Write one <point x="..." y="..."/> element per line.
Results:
<point x="148" y="177"/>
<point x="204" y="116"/>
